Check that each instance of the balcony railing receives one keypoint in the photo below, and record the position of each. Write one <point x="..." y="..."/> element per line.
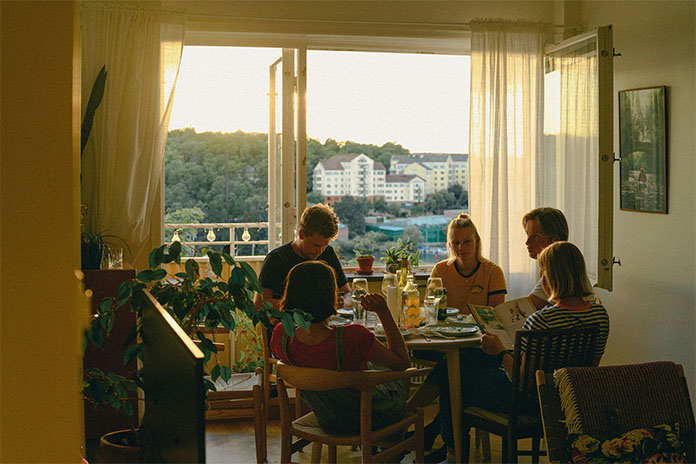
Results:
<point x="233" y="242"/>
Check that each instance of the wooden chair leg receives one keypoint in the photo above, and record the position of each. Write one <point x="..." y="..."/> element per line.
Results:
<point x="466" y="443"/>
<point x="316" y="453"/>
<point x="285" y="448"/>
<point x="512" y="450"/>
<point x="485" y="445"/>
<point x="419" y="434"/>
<point x="505" y="450"/>
<point x="332" y="453"/>
<point x="260" y="428"/>
<point x="536" y="442"/>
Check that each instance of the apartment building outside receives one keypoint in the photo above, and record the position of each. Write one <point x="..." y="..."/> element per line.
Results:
<point x="411" y="178"/>
<point x="351" y="174"/>
<point x="439" y="170"/>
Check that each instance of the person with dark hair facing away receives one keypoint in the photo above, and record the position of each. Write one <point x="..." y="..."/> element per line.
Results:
<point x="318" y="226"/>
<point x="486" y="372"/>
<point x="311" y="287"/>
<point x="543" y="227"/>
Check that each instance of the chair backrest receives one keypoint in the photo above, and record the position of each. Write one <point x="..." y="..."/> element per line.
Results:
<point x="547" y="350"/>
<point x="611" y="400"/>
<point x="306" y="378"/>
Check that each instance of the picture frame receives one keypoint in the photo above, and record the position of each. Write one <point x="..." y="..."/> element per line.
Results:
<point x="643" y="149"/>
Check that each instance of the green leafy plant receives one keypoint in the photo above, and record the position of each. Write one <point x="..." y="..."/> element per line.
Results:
<point x="402" y="249"/>
<point x="95" y="245"/>
<point x="95" y="99"/>
<point x="201" y="305"/>
<point x="364" y="246"/>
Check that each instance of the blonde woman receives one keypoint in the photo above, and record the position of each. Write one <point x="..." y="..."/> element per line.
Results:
<point x="467" y="276"/>
<point x="484" y="372"/>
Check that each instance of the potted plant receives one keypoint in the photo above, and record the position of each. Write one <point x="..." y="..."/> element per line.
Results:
<point x="201" y="305"/>
<point x="95" y="245"/>
<point x="363" y="254"/>
<point x="401" y="255"/>
<point x="92" y="244"/>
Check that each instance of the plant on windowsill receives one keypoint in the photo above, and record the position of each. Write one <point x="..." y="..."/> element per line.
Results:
<point x="403" y="253"/>
<point x="201" y="305"/>
<point x="363" y="254"/>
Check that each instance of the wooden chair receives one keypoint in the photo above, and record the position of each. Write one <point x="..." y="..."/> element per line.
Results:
<point x="251" y="398"/>
<point x="307" y="428"/>
<point x="269" y="376"/>
<point x="546" y="350"/>
<point x="644" y="395"/>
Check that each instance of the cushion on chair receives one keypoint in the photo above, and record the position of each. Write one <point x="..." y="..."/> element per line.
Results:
<point x="654" y="444"/>
<point x="600" y="401"/>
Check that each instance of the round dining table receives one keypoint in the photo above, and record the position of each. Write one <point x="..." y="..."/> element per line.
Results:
<point x="450" y="347"/>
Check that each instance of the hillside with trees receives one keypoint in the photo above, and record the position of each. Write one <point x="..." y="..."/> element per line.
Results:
<point x="222" y="177"/>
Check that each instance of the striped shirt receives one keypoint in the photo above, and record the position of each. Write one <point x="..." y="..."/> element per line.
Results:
<point x="562" y="317"/>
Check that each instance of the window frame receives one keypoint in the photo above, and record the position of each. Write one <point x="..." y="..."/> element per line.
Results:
<point x="433" y="41"/>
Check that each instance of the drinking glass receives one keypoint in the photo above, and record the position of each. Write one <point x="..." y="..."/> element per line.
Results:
<point x="390" y="290"/>
<point x="431" y="305"/>
<point x="115" y="257"/>
<point x="359" y="289"/>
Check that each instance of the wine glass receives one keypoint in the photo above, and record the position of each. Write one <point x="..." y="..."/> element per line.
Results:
<point x="434" y="287"/>
<point x="389" y="280"/>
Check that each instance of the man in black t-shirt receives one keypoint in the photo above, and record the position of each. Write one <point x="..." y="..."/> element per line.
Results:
<point x="318" y="226"/>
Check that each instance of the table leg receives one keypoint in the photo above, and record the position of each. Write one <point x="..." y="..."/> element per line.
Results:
<point x="455" y="400"/>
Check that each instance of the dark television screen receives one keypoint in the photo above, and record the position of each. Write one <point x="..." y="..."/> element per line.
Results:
<point x="173" y="427"/>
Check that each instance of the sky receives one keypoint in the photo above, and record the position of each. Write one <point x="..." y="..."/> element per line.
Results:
<point x="420" y="101"/>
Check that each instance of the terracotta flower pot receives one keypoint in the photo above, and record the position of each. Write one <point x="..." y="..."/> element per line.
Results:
<point x="365" y="264"/>
<point x="120" y="446"/>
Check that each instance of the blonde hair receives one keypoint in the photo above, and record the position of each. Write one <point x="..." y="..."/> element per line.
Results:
<point x="319" y="219"/>
<point x="460" y="222"/>
<point x="564" y="268"/>
<point x="551" y="220"/>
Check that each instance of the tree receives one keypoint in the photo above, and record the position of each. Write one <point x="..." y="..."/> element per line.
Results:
<point x="414" y="234"/>
<point x="314" y="198"/>
<point x="380" y="205"/>
<point x="352" y="213"/>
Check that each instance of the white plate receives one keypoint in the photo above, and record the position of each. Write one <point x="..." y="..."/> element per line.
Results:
<point x="345" y="312"/>
<point x="455" y="331"/>
<point x="338" y="320"/>
<point x="404" y="333"/>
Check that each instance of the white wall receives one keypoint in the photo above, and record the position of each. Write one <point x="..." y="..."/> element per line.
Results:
<point x="653" y="305"/>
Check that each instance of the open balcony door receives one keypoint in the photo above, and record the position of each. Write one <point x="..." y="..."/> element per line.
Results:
<point x="287" y="145"/>
<point x="576" y="166"/>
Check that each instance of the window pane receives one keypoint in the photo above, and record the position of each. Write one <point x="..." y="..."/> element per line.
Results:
<point x="390" y="131"/>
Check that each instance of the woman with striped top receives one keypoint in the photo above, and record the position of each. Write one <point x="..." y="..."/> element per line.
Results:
<point x="485" y="373"/>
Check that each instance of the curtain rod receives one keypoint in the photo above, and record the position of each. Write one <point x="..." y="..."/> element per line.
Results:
<point x="461" y="26"/>
<point x="129" y="6"/>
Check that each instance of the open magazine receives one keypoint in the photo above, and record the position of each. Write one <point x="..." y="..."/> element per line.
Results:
<point x="503" y="320"/>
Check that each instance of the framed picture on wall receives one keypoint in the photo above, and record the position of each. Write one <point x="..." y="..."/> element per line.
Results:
<point x="643" y="148"/>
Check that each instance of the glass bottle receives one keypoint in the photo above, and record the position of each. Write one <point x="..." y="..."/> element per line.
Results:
<point x="442" y="310"/>
<point x="410" y="307"/>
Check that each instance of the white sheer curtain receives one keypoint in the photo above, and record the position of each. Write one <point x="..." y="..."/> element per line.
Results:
<point x="122" y="166"/>
<point x="505" y="140"/>
<point x="571" y="148"/>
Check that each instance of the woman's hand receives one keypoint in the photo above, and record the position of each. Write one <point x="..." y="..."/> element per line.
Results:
<point x="374" y="302"/>
<point x="491" y="344"/>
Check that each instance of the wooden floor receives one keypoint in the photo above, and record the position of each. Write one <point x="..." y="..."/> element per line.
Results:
<point x="233" y="442"/>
